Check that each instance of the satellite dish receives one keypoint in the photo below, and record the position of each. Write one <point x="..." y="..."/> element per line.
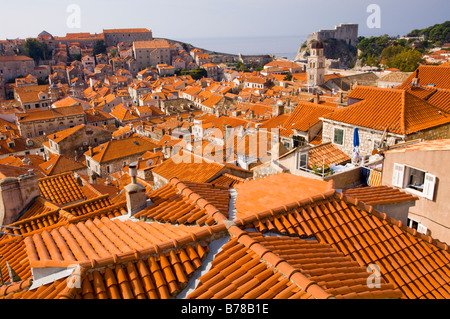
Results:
<point x="149" y="162"/>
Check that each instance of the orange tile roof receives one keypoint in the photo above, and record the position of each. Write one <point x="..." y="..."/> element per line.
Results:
<point x="227" y="180"/>
<point x="397" y="110"/>
<point x="28" y="94"/>
<point x="40" y="115"/>
<point x="416" y="264"/>
<point x="430" y="75"/>
<point x="256" y="267"/>
<point x="305" y="115"/>
<point x="380" y="195"/>
<point x="99" y="239"/>
<point x="432" y="145"/>
<point x="123" y="114"/>
<point x="441" y="99"/>
<point x="154" y="277"/>
<point x="62" y="134"/>
<point x="61" y="189"/>
<point x="135" y="259"/>
<point x="194" y="170"/>
<point x="326" y="153"/>
<point x="186" y="202"/>
<point x="132" y="30"/>
<point x="258" y="194"/>
<point x="85" y="207"/>
<point x="116" y="149"/>
<point x="153" y="44"/>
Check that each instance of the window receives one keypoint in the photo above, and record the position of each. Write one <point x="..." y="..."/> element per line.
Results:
<point x="338" y="136"/>
<point x="418" y="226"/>
<point x="420" y="182"/>
<point x="302" y="161"/>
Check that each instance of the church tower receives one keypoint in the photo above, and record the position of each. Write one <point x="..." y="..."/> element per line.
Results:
<point x="316" y="64"/>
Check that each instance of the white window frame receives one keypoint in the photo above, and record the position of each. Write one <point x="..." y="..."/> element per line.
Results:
<point x="429" y="186"/>
<point x="299" y="156"/>
<point x="400" y="173"/>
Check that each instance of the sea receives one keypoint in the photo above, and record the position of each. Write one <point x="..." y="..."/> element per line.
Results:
<point x="281" y="46"/>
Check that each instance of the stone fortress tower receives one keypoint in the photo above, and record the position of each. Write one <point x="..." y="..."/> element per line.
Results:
<point x="345" y="31"/>
<point x="316" y="64"/>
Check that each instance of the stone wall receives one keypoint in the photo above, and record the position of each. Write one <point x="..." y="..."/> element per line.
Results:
<point x="345" y="31"/>
<point x="16" y="193"/>
<point x="366" y="138"/>
<point x="439" y="132"/>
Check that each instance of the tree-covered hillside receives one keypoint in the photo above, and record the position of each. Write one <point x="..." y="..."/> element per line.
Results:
<point x="401" y="53"/>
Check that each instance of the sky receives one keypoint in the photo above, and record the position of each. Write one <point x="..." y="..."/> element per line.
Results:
<point x="181" y="19"/>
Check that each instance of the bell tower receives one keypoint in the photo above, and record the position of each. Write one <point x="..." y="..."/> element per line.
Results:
<point x="316" y="64"/>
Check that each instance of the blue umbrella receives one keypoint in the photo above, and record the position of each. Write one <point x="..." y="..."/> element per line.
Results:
<point x="355" y="137"/>
<point x="355" y="157"/>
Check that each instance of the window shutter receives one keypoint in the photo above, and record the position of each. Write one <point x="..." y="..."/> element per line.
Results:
<point x="421" y="229"/>
<point x="398" y="175"/>
<point x="428" y="187"/>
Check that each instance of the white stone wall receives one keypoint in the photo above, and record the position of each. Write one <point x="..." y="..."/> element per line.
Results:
<point x="367" y="138"/>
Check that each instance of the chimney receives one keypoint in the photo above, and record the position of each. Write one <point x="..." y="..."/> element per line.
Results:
<point x="91" y="153"/>
<point x="226" y="132"/>
<point x="317" y="98"/>
<point x="92" y="177"/>
<point x="135" y="192"/>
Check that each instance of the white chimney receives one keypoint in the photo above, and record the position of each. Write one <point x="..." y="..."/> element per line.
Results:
<point x="135" y="192"/>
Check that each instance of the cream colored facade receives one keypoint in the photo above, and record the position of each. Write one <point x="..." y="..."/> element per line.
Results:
<point x="424" y="173"/>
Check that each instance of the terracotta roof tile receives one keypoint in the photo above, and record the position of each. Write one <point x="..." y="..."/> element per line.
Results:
<point x="288" y="268"/>
<point x="408" y="260"/>
<point x="61" y="189"/>
<point x="326" y="153"/>
<point x="256" y="195"/>
<point x="187" y="202"/>
<point x="380" y="195"/>
<point x="306" y="115"/>
<point x="394" y="109"/>
<point x="116" y="149"/>
<point x="430" y="75"/>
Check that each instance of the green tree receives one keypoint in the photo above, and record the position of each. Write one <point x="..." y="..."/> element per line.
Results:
<point x="390" y="52"/>
<point x="99" y="47"/>
<point x="406" y="61"/>
<point x="36" y="50"/>
<point x="288" y="77"/>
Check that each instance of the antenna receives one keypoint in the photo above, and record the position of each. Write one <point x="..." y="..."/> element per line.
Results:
<point x="9" y="234"/>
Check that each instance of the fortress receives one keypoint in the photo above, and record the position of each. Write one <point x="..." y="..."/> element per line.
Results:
<point x="345" y="31"/>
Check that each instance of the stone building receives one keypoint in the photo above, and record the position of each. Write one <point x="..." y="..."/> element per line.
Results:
<point x="73" y="142"/>
<point x="14" y="66"/>
<point x="112" y="156"/>
<point x="33" y="97"/>
<point x="383" y="117"/>
<point x="152" y="52"/>
<point x="115" y="36"/>
<point x="36" y="123"/>
<point x="345" y="31"/>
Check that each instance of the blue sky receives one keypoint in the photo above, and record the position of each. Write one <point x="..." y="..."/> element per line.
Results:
<point x="178" y="19"/>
